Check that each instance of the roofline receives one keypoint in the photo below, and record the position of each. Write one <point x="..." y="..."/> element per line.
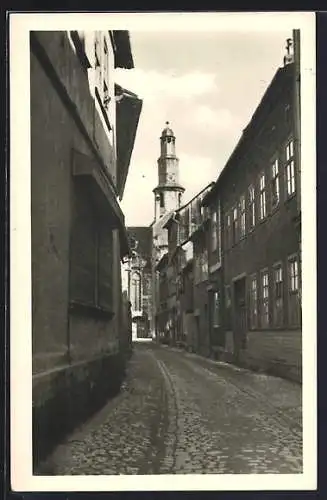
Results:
<point x="170" y="219"/>
<point x="211" y="184"/>
<point x="246" y="133"/>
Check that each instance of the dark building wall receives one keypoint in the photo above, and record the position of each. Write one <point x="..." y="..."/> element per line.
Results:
<point x="273" y="240"/>
<point x="54" y="135"/>
<point x="51" y="214"/>
<point x="77" y="363"/>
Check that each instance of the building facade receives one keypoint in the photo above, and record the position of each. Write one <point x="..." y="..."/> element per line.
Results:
<point x="137" y="280"/>
<point x="183" y="275"/>
<point x="258" y="196"/>
<point x="82" y="134"/>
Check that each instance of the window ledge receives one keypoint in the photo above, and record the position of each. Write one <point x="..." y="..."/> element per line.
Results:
<point x="82" y="309"/>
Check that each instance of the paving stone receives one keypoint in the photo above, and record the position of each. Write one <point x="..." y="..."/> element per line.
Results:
<point x="181" y="414"/>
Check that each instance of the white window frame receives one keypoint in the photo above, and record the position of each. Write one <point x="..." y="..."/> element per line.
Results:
<point x="262" y="196"/>
<point x="293" y="277"/>
<point x="252" y="218"/>
<point x="242" y="217"/>
<point x="275" y="184"/>
<point x="253" y="301"/>
<point x="290" y="181"/>
<point x="278" y="279"/>
<point x="264" y="312"/>
<point x="235" y="225"/>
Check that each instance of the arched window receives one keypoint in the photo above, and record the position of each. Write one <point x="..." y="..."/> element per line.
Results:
<point x="136" y="292"/>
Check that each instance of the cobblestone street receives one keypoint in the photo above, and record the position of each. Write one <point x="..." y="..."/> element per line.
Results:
<point x="178" y="413"/>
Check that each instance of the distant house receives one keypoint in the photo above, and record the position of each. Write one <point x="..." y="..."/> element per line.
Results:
<point x="186" y="272"/>
<point x="82" y="135"/>
<point x="137" y="279"/>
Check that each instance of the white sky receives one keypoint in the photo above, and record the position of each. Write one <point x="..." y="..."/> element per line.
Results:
<point x="207" y="85"/>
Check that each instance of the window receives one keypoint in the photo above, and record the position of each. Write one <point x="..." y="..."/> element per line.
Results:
<point x="106" y="98"/>
<point x="179" y="199"/>
<point x="214" y="230"/>
<point x="235" y="226"/>
<point x="293" y="274"/>
<point x="105" y="61"/>
<point x="162" y="201"/>
<point x="97" y="62"/>
<point x="293" y="289"/>
<point x="262" y="186"/>
<point x="227" y="309"/>
<point x="228" y="300"/>
<point x="215" y="310"/>
<point x="275" y="184"/>
<point x="264" y="299"/>
<point x="219" y="231"/>
<point x="91" y="257"/>
<point x="204" y="264"/>
<point x="253" y="302"/>
<point x="278" y="295"/>
<point x="136" y="292"/>
<point x="290" y="169"/>
<point x="242" y="217"/>
<point x="251" y="207"/>
<point x="228" y="231"/>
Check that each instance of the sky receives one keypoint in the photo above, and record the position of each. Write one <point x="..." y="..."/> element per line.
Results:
<point x="207" y="85"/>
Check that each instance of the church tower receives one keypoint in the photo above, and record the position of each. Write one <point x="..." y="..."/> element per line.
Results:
<point x="168" y="193"/>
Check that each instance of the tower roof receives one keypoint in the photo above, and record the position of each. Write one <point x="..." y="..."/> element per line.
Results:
<point x="167" y="131"/>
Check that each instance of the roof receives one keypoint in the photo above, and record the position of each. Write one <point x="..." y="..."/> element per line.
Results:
<point x="281" y="78"/>
<point x="167" y="131"/>
<point x="128" y="110"/>
<point x="122" y="49"/>
<point x="210" y="185"/>
<point x="142" y="236"/>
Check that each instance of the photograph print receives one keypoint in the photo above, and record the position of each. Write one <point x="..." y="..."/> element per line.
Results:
<point x="167" y="271"/>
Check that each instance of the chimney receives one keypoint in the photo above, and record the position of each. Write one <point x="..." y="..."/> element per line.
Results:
<point x="289" y="56"/>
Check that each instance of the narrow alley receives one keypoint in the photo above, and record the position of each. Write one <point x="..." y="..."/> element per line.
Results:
<point x="178" y="413"/>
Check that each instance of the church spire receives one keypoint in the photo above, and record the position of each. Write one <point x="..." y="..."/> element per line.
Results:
<point x="168" y="193"/>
